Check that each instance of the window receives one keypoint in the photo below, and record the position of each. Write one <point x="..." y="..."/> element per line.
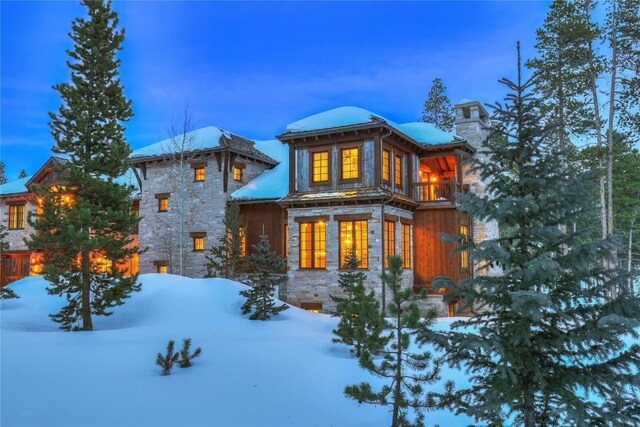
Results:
<point x="313" y="244"/>
<point x="320" y="166"/>
<point x="243" y="241"/>
<point x="386" y="165"/>
<point x="237" y="173"/>
<point x="354" y="234"/>
<point x="163" y="268"/>
<point x="16" y="216"/>
<point x="313" y="307"/>
<point x="286" y="240"/>
<point x="198" y="174"/>
<point x="389" y="241"/>
<point x="350" y="163"/>
<point x="198" y="243"/>
<point x="397" y="171"/>
<point x="163" y="202"/>
<point x="464" y="255"/>
<point x="406" y="246"/>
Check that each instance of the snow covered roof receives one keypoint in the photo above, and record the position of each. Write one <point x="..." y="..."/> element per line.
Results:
<point x="272" y="183"/>
<point x="420" y="132"/>
<point x="15" y="187"/>
<point x="204" y="139"/>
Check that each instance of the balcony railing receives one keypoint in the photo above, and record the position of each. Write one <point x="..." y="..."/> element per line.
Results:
<point x="434" y="192"/>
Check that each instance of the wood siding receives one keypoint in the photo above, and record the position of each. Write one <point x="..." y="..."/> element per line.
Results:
<point x="269" y="217"/>
<point x="433" y="257"/>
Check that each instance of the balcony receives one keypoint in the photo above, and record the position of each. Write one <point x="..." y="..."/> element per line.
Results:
<point x="438" y="192"/>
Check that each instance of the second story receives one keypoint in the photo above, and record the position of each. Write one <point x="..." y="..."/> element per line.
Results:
<point x="349" y="154"/>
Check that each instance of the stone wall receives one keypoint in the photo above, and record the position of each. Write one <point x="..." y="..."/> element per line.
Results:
<point x="313" y="286"/>
<point x="204" y="206"/>
<point x="16" y="237"/>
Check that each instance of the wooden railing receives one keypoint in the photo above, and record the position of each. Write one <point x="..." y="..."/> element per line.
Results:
<point x="440" y="191"/>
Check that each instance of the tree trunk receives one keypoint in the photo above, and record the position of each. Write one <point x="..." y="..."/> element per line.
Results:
<point x="398" y="379"/>
<point x="612" y="107"/>
<point x="87" y="324"/>
<point x="529" y="408"/>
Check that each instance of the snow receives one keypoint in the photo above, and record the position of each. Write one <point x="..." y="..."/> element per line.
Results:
<point x="14" y="187"/>
<point x="284" y="372"/>
<point x="273" y="183"/>
<point x="203" y="139"/>
<point x="424" y="133"/>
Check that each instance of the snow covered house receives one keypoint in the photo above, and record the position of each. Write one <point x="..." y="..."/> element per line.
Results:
<point x="338" y="179"/>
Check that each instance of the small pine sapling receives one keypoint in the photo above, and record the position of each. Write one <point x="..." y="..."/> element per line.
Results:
<point x="361" y="322"/>
<point x="167" y="361"/>
<point x="408" y="372"/>
<point x="185" y="357"/>
<point x="266" y="264"/>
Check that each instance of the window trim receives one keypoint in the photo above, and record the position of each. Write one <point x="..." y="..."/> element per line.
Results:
<point x="160" y="197"/>
<point x="343" y="148"/>
<point x="312" y="249"/>
<point x="388" y="179"/>
<point x="19" y="216"/>
<point x="238" y="167"/>
<point x="195" y="174"/>
<point x="312" y="152"/>
<point x="465" y="255"/>
<point x="364" y="263"/>
<point x="405" y="238"/>
<point x="389" y="244"/>
<point x="398" y="174"/>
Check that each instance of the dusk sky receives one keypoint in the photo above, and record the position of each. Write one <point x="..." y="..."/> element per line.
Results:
<point x="252" y="68"/>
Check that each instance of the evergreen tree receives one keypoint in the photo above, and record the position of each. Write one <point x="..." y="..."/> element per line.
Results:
<point x="408" y="372"/>
<point x="562" y="71"/>
<point x="23" y="174"/>
<point x="267" y="265"/>
<point x="361" y="322"/>
<point x="551" y="349"/>
<point x="228" y="257"/>
<point x="5" y="292"/>
<point x="3" y="178"/>
<point x="167" y="361"/>
<point x="437" y="107"/>
<point x="86" y="217"/>
<point x="185" y="356"/>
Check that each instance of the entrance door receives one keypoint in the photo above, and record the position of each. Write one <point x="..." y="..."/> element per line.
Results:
<point x="15" y="267"/>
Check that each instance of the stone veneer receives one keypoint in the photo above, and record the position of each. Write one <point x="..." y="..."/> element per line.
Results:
<point x="312" y="286"/>
<point x="16" y="237"/>
<point x="204" y="211"/>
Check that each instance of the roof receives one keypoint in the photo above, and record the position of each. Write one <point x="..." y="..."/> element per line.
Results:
<point x="420" y="132"/>
<point x="15" y="187"/>
<point x="342" y="194"/>
<point x="205" y="139"/>
<point x="272" y="183"/>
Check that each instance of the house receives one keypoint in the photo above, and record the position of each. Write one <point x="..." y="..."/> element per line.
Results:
<point x="338" y="179"/>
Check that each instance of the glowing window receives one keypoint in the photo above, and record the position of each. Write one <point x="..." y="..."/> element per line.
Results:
<point x="320" y="165"/>
<point x="313" y="244"/>
<point x="406" y="246"/>
<point x="389" y="241"/>
<point x="354" y="234"/>
<point x="350" y="163"/>
<point x="198" y="243"/>
<point x="397" y="171"/>
<point x="386" y="165"/>
<point x="464" y="255"/>
<point x="243" y="241"/>
<point x="163" y="269"/>
<point x="16" y="216"/>
<point x="163" y="204"/>
<point x="198" y="174"/>
<point x="237" y="173"/>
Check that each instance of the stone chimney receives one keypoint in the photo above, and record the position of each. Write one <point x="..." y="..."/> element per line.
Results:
<point x="472" y="121"/>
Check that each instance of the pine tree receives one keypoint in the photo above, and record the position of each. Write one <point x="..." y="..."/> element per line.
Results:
<point x="408" y="372"/>
<point x="185" y="357"/>
<point x="3" y="178"/>
<point x="437" y="108"/>
<point x="167" y="361"/>
<point x="86" y="217"/>
<point x="23" y="174"/>
<point x="228" y="257"/>
<point x="361" y="322"/>
<point x="550" y="350"/>
<point x="267" y="265"/>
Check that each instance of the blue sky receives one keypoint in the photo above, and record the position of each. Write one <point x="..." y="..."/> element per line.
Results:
<point x="252" y="68"/>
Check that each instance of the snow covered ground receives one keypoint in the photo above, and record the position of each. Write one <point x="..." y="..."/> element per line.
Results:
<point x="284" y="372"/>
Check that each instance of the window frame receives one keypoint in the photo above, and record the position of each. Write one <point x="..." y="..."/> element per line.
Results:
<point x="162" y="197"/>
<point x="364" y="260"/>
<point x="313" y="241"/>
<point x="341" y="151"/>
<point x="465" y="255"/>
<point x="239" y="167"/>
<point x="198" y="243"/>
<point x="312" y="153"/>
<point x="405" y="243"/>
<point x="389" y="244"/>
<point x="386" y="180"/>
<point x="398" y="170"/>
<point x="199" y="174"/>
<point x="18" y="217"/>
